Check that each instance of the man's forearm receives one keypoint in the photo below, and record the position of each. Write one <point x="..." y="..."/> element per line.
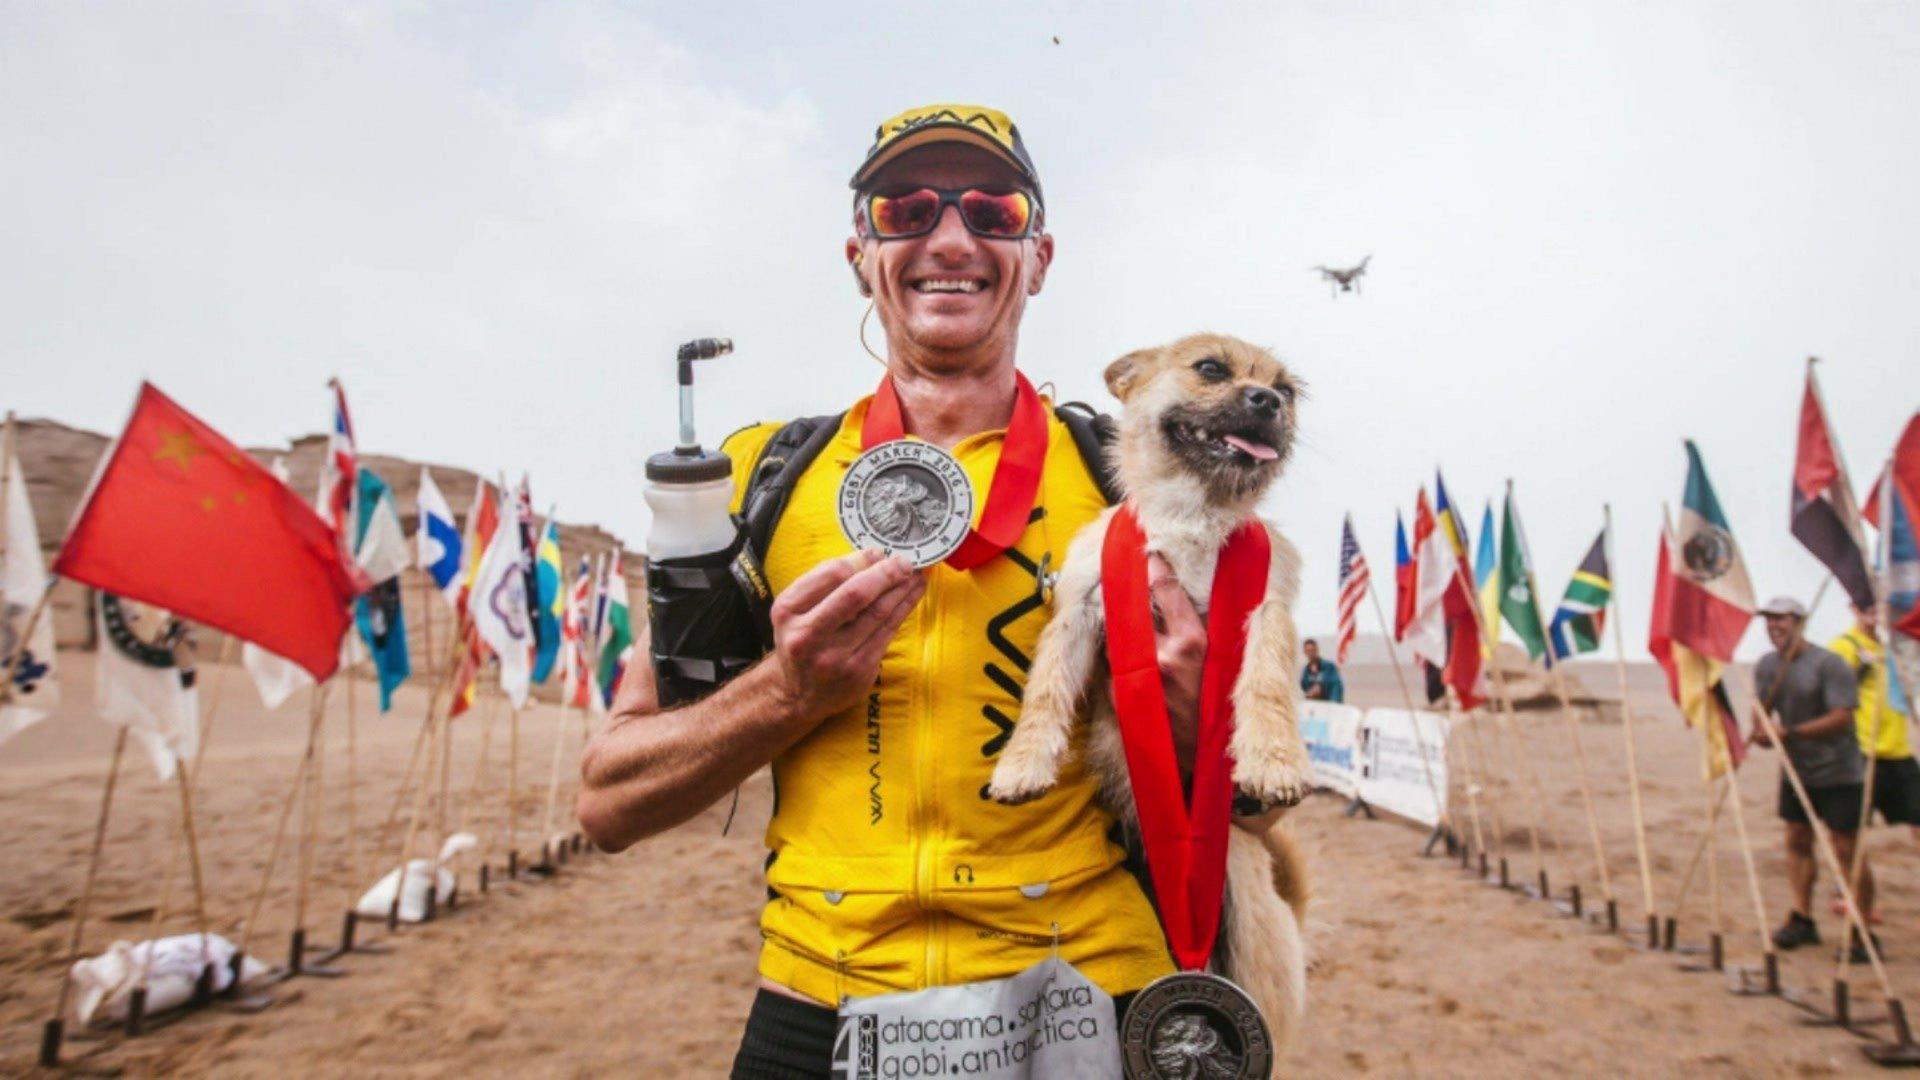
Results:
<point x="650" y="771"/>
<point x="1821" y="727"/>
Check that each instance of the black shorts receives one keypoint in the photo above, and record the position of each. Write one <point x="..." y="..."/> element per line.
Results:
<point x="789" y="1039"/>
<point x="1837" y="804"/>
<point x="1896" y="790"/>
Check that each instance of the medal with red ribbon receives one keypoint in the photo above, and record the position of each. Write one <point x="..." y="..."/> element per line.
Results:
<point x="1186" y="843"/>
<point x="1016" y="479"/>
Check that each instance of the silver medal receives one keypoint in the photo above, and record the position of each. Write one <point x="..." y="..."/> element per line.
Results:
<point x="1195" y="1024"/>
<point x="907" y="498"/>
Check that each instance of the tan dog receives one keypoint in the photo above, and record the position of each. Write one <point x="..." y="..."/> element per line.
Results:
<point x="1207" y="426"/>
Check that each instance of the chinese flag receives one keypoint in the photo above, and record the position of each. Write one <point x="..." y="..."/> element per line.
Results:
<point x="184" y="519"/>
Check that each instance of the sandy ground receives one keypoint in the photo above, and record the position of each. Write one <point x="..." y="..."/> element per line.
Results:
<point x="643" y="962"/>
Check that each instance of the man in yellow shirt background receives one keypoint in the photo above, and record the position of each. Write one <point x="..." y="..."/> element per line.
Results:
<point x="1882" y="728"/>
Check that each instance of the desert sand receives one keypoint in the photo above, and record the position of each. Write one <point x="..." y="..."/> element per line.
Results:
<point x="643" y="962"/>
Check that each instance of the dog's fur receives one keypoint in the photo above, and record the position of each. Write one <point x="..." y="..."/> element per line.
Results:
<point x="1191" y="489"/>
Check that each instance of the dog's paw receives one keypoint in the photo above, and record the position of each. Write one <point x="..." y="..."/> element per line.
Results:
<point x="1271" y="780"/>
<point x="1020" y="778"/>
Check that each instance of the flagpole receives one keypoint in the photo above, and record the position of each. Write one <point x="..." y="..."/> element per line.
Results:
<point x="1718" y="797"/>
<point x="1633" y="766"/>
<point x="1824" y="844"/>
<point x="473" y="789"/>
<point x="513" y="788"/>
<point x="553" y="785"/>
<point x="56" y="1028"/>
<point x="426" y="619"/>
<point x="1716" y="939"/>
<point x="312" y="807"/>
<point x="433" y="737"/>
<point x="1440" y="803"/>
<point x="6" y="496"/>
<point x="1503" y="724"/>
<point x="280" y="829"/>
<point x="1573" y="736"/>
<point x="1884" y="626"/>
<point x="353" y="775"/>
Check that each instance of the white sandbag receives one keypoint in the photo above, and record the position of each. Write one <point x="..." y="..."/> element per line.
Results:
<point x="377" y="902"/>
<point x="103" y="984"/>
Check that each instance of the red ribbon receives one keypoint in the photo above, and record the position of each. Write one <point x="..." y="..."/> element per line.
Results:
<point x="1186" y="845"/>
<point x="1016" y="479"/>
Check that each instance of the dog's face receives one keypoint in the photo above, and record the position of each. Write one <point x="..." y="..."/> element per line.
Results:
<point x="1210" y="406"/>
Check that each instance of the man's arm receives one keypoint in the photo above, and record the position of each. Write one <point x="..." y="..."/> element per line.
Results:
<point x="651" y="770"/>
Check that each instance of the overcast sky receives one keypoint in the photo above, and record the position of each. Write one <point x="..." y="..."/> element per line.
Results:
<point x="1594" y="231"/>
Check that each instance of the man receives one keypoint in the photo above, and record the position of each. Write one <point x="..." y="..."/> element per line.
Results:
<point x="1320" y="679"/>
<point x="890" y="691"/>
<point x="1810" y="693"/>
<point x="1880" y="726"/>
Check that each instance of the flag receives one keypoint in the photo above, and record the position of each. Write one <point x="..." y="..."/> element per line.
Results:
<point x="1354" y="581"/>
<point x="530" y="581"/>
<point x="575" y="678"/>
<point x="1902" y="495"/>
<point x="275" y="676"/>
<point x="483" y="518"/>
<point x="616" y="635"/>
<point x="550" y="602"/>
<point x="1427" y="630"/>
<point x="1486" y="579"/>
<point x="1693" y="679"/>
<point x="183" y="519"/>
<point x="1712" y="595"/>
<point x="1824" y="517"/>
<point x="1583" y="610"/>
<point x="1517" y="604"/>
<point x="338" y="489"/>
<point x="33" y="690"/>
<point x="498" y="605"/>
<point x="142" y="684"/>
<point x="1403" y="580"/>
<point x="1464" y="650"/>
<point x="438" y="539"/>
<point x="381" y="549"/>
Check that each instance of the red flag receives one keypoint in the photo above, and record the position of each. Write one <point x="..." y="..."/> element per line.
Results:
<point x="184" y="519"/>
<point x="1824" y="518"/>
<point x="1659" y="639"/>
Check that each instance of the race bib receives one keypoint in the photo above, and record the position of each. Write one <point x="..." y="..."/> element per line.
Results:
<point x="1047" y="1021"/>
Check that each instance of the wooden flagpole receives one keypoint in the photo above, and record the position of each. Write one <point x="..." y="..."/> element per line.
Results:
<point x="312" y="807"/>
<point x="513" y="789"/>
<point x="56" y="1028"/>
<point x="353" y="778"/>
<point x="1477" y="762"/>
<point x="547" y="855"/>
<point x="413" y="828"/>
<point x="1718" y="797"/>
<point x="1824" y="844"/>
<point x="1883" y="628"/>
<point x="1716" y="940"/>
<point x="1626" y="735"/>
<point x="427" y="589"/>
<point x="1440" y="802"/>
<point x="316" y="701"/>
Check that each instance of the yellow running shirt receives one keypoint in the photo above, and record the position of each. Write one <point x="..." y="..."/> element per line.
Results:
<point x="890" y="869"/>
<point x="1868" y="659"/>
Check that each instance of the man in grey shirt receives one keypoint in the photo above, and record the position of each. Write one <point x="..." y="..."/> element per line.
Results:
<point x="1811" y="694"/>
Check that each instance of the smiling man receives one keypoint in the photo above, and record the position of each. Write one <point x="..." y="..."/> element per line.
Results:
<point x="890" y="691"/>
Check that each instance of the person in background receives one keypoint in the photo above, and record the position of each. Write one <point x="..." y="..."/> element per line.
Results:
<point x="1320" y="679"/>
<point x="1811" y="694"/>
<point x="1880" y="725"/>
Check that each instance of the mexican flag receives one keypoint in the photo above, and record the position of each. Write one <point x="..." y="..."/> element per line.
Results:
<point x="1712" y="595"/>
<point x="1517" y="604"/>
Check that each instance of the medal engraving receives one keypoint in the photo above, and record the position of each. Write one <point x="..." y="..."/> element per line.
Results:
<point x="1193" y="1025"/>
<point x="906" y="498"/>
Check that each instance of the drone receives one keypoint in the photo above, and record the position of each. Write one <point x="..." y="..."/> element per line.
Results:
<point x="1344" y="280"/>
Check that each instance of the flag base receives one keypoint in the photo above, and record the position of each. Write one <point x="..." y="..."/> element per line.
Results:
<point x="1901" y="1052"/>
<point x="1716" y="951"/>
<point x="50" y="1038"/>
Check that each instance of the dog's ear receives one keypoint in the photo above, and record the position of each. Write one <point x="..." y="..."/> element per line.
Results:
<point x="1126" y="374"/>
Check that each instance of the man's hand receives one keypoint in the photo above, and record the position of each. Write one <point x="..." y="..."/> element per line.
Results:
<point x="1761" y="735"/>
<point x="832" y="625"/>
<point x="1181" y="639"/>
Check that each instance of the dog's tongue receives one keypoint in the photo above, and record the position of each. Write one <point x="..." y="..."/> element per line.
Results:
<point x="1254" y="450"/>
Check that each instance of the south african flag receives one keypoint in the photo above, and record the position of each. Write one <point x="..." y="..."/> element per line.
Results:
<point x="1583" y="610"/>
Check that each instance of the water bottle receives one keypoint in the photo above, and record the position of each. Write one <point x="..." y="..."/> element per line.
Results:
<point x="689" y="489"/>
<point x="703" y="625"/>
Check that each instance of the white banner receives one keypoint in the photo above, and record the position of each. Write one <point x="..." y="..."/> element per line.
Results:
<point x="1391" y="772"/>
<point x="1332" y="733"/>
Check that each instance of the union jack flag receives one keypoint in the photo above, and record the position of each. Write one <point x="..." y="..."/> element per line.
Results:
<point x="1354" y="581"/>
<point x="573" y="632"/>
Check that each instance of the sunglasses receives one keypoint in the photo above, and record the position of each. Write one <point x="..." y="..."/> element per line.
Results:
<point x="996" y="215"/>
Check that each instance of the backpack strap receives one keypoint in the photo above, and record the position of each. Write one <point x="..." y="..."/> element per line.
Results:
<point x="1093" y="434"/>
<point x="777" y="470"/>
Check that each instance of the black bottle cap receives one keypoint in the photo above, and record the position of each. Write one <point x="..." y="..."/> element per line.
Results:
<point x="689" y="465"/>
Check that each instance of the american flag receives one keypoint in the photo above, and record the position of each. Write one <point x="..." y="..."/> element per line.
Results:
<point x="1354" y="581"/>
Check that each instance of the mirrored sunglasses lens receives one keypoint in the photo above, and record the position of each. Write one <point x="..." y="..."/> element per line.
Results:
<point x="1004" y="215"/>
<point x="904" y="215"/>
